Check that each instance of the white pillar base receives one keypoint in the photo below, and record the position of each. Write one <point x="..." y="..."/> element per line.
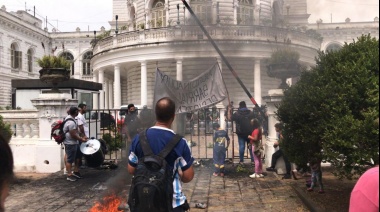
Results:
<point x="49" y="157"/>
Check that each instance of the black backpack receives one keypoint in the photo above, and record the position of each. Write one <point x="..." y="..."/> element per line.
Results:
<point x="152" y="184"/>
<point x="243" y="126"/>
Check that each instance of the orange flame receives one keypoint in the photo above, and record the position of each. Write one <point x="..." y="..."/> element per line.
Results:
<point x="109" y="204"/>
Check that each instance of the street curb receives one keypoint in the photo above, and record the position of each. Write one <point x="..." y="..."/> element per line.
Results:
<point x="309" y="204"/>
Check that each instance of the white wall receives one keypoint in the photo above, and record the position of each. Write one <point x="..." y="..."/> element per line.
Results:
<point x="23" y="98"/>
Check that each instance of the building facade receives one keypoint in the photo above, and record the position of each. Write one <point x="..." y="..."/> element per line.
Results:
<point x="146" y="35"/>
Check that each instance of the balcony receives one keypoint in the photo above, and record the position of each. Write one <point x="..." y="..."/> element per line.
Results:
<point x="194" y="33"/>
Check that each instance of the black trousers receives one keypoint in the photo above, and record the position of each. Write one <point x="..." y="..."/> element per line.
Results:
<point x="276" y="156"/>
<point x="182" y="208"/>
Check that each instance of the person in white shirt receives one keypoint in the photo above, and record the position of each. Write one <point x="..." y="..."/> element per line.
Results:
<point x="82" y="123"/>
<point x="82" y="127"/>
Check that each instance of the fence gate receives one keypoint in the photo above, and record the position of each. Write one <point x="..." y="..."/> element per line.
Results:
<point x="107" y="125"/>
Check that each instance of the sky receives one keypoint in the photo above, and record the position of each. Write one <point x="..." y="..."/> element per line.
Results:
<point x="67" y="15"/>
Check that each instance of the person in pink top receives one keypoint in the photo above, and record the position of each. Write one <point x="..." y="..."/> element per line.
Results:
<point x="365" y="195"/>
<point x="255" y="143"/>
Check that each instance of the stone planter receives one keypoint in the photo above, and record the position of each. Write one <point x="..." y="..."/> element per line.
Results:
<point x="284" y="71"/>
<point x="54" y="76"/>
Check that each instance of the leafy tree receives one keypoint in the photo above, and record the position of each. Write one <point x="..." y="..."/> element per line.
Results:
<point x="5" y="130"/>
<point x="332" y="112"/>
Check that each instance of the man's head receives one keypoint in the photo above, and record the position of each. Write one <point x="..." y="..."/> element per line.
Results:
<point x="82" y="107"/>
<point x="165" y="110"/>
<point x="73" y="111"/>
<point x="6" y="170"/>
<point x="242" y="104"/>
<point x="131" y="108"/>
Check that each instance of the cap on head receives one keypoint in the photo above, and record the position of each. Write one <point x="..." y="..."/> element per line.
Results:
<point x="242" y="104"/>
<point x="130" y="105"/>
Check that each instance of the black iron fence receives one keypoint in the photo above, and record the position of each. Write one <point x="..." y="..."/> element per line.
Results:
<point x="110" y="126"/>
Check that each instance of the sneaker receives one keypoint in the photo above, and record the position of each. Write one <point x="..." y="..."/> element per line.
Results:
<point x="77" y="175"/>
<point x="254" y="175"/>
<point x="222" y="174"/>
<point x="261" y="175"/>
<point x="270" y="169"/>
<point x="309" y="189"/>
<point x="215" y="174"/>
<point x="321" y="191"/>
<point x="287" y="176"/>
<point x="294" y="175"/>
<point x="71" y="178"/>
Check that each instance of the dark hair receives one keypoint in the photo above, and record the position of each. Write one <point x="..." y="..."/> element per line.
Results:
<point x="242" y="104"/>
<point x="278" y="126"/>
<point x="73" y="110"/>
<point x="130" y="105"/>
<point x="215" y="125"/>
<point x="165" y="109"/>
<point x="81" y="105"/>
<point x="6" y="164"/>
<point x="256" y="123"/>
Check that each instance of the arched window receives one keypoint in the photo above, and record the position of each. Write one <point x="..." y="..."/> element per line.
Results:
<point x="158" y="14"/>
<point x="30" y="60"/>
<point x="16" y="57"/>
<point x="245" y="12"/>
<point x="202" y="8"/>
<point x="69" y="57"/>
<point x="333" y="47"/>
<point x="86" y="63"/>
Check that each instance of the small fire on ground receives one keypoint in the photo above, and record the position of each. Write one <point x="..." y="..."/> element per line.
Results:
<point x="108" y="204"/>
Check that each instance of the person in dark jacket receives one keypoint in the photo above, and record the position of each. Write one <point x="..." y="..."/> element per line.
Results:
<point x="242" y="119"/>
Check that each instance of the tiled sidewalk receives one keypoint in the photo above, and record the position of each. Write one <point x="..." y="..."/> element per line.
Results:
<point x="234" y="192"/>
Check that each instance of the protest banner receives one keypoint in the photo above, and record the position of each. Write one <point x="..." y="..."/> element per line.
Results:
<point x="202" y="91"/>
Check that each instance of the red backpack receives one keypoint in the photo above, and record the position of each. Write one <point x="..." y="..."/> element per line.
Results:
<point x="57" y="130"/>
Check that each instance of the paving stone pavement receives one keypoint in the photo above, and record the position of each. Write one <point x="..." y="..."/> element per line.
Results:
<point x="234" y="192"/>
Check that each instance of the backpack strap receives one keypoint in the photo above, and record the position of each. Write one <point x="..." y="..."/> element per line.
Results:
<point x="147" y="150"/>
<point x="169" y="146"/>
<point x="64" y="122"/>
<point x="145" y="145"/>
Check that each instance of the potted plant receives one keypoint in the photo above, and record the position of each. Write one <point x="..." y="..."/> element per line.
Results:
<point x="54" y="70"/>
<point x="283" y="64"/>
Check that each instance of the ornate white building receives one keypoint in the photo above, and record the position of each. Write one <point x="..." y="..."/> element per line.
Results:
<point x="161" y="33"/>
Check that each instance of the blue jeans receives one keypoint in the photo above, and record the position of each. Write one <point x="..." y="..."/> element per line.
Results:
<point x="242" y="143"/>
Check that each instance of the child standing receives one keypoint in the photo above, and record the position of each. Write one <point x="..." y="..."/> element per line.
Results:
<point x="255" y="143"/>
<point x="316" y="175"/>
<point x="219" y="154"/>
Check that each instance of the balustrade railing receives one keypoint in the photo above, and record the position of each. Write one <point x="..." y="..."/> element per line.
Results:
<point x="189" y="33"/>
<point x="24" y="123"/>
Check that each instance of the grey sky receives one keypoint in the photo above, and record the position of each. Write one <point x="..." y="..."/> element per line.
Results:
<point x="92" y="14"/>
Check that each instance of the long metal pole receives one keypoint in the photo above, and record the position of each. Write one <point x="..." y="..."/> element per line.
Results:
<point x="222" y="56"/>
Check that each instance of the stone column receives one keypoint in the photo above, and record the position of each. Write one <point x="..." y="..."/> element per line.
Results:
<point x="220" y="105"/>
<point x="117" y="87"/>
<point x="257" y="81"/>
<point x="95" y="95"/>
<point x="274" y="97"/>
<point x="144" y="86"/>
<point x="101" y="96"/>
<point x="106" y="94"/>
<point x="110" y="94"/>
<point x="51" y="107"/>
<point x="180" y="125"/>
